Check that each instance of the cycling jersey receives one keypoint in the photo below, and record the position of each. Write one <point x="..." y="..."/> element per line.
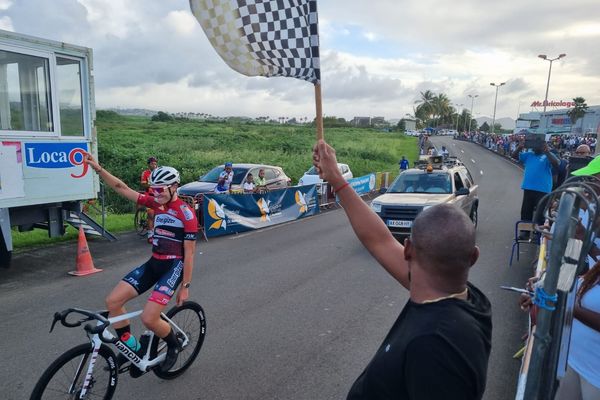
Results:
<point x="145" y="179"/>
<point x="174" y="222"/>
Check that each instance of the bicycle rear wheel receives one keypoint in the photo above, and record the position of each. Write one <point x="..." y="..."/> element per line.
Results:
<point x="190" y="319"/>
<point x="64" y="378"/>
<point x="141" y="221"/>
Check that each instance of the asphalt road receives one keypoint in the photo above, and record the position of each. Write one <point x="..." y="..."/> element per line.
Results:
<point x="293" y="312"/>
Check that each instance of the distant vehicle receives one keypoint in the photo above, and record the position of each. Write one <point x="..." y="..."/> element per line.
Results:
<point x="311" y="176"/>
<point x="434" y="181"/>
<point x="412" y="133"/>
<point x="276" y="179"/>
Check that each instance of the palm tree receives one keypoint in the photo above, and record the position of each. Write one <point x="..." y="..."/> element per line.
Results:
<point x="442" y="107"/>
<point x="425" y="108"/>
<point x="578" y="110"/>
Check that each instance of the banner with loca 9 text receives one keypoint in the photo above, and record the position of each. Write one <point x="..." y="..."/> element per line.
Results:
<point x="263" y="37"/>
<point x="232" y="213"/>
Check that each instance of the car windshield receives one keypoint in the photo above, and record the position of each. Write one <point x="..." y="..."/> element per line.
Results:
<point x="421" y="183"/>
<point x="213" y="175"/>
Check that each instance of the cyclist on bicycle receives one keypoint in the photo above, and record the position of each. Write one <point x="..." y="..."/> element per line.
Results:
<point x="172" y="260"/>
<point x="145" y="182"/>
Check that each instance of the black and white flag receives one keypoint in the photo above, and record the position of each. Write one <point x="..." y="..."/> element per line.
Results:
<point x="263" y="37"/>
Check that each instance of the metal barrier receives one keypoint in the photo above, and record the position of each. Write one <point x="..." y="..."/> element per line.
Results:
<point x="196" y="202"/>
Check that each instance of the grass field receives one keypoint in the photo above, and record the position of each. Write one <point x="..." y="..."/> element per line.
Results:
<point x="195" y="147"/>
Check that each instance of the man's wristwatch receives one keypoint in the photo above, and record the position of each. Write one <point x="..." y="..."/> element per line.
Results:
<point x="187" y="285"/>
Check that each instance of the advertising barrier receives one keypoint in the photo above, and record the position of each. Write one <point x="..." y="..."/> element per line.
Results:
<point x="224" y="214"/>
<point x="363" y="184"/>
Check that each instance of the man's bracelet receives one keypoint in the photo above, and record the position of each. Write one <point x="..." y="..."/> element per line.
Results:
<point x="341" y="187"/>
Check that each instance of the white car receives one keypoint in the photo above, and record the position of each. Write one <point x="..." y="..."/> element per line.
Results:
<point x="311" y="176"/>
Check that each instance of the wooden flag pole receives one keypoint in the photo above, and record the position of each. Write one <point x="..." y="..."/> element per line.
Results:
<point x="319" y="119"/>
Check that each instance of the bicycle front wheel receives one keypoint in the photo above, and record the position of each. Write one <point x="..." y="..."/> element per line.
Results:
<point x="190" y="319"/>
<point x="141" y="221"/>
<point x="65" y="377"/>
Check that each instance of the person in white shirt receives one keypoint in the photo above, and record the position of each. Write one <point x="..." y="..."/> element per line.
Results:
<point x="248" y="185"/>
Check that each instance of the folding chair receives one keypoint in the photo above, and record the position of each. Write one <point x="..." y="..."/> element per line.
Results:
<point x="522" y="226"/>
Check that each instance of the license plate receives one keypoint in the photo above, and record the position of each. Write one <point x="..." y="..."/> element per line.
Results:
<point x="399" y="224"/>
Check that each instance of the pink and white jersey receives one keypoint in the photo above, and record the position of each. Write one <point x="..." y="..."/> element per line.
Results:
<point x="173" y="223"/>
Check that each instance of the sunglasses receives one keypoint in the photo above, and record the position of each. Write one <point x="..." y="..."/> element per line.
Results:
<point x="159" y="189"/>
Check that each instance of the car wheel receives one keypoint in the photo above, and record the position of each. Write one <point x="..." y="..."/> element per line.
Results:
<point x="474" y="215"/>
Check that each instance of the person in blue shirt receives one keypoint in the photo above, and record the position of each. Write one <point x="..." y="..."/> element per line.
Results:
<point x="537" y="177"/>
<point x="403" y="164"/>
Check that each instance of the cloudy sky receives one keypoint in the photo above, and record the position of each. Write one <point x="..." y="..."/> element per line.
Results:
<point x="376" y="55"/>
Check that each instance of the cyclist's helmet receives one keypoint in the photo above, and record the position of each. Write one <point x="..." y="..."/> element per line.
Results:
<point x="152" y="159"/>
<point x="164" y="176"/>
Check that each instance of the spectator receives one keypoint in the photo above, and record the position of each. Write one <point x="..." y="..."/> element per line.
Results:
<point x="145" y="182"/>
<point x="261" y="181"/>
<point x="248" y="185"/>
<point x="444" y="152"/>
<point x="227" y="176"/>
<point x="440" y="344"/>
<point x="559" y="173"/>
<point x="583" y="150"/>
<point x="221" y="187"/>
<point x="537" y="178"/>
<point x="403" y="164"/>
<point x="582" y="378"/>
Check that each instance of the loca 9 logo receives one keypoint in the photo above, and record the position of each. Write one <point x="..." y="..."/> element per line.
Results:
<point x="57" y="155"/>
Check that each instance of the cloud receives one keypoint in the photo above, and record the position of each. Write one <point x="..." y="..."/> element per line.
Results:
<point x="376" y="56"/>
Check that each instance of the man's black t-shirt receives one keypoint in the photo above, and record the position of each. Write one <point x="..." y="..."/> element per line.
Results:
<point x="434" y="351"/>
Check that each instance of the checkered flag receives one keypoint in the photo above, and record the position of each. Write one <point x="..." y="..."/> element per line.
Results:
<point x="263" y="37"/>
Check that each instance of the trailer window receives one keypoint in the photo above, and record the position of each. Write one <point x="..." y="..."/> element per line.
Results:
<point x="24" y="93"/>
<point x="68" y="80"/>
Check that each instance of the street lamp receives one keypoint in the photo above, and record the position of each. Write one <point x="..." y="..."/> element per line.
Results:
<point x="457" y="115"/>
<point x="544" y="57"/>
<point x="495" y="101"/>
<point x="471" y="113"/>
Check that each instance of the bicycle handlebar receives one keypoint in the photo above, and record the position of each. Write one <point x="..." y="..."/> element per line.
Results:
<point x="94" y="330"/>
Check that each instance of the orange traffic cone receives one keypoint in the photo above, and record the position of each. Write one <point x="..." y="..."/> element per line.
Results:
<point x="85" y="265"/>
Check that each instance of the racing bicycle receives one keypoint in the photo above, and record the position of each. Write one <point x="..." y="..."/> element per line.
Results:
<point x="140" y="220"/>
<point x="90" y="370"/>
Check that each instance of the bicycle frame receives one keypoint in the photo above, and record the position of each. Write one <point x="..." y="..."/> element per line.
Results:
<point x="145" y="363"/>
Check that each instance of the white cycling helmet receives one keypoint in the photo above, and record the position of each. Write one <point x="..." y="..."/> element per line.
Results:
<point x="164" y="176"/>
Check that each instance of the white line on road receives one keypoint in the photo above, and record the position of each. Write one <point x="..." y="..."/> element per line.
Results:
<point x="473" y="161"/>
<point x="480" y="172"/>
<point x="462" y="151"/>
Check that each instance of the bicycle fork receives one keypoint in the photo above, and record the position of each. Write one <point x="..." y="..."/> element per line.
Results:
<point x="96" y="343"/>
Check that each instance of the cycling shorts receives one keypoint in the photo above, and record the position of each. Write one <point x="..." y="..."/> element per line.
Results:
<point x="164" y="275"/>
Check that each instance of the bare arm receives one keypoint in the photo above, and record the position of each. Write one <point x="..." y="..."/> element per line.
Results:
<point x="118" y="185"/>
<point x="587" y="317"/>
<point x="367" y="225"/>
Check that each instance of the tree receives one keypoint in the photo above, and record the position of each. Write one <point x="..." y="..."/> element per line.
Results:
<point x="162" y="117"/>
<point x="442" y="108"/>
<point x="425" y="108"/>
<point x="578" y="110"/>
<point x="484" y="127"/>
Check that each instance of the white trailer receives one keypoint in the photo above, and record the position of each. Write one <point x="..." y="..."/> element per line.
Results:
<point x="47" y="119"/>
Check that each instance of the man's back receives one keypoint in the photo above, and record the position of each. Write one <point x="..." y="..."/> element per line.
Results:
<point x="435" y="350"/>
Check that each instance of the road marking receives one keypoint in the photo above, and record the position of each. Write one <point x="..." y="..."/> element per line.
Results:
<point x="481" y="172"/>
<point x="462" y="151"/>
<point x="473" y="161"/>
<point x="242" y="235"/>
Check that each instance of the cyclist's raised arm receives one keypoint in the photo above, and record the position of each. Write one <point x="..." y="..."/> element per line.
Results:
<point x="118" y="185"/>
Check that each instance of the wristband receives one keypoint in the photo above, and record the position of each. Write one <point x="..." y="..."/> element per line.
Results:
<point x="100" y="170"/>
<point x="341" y="187"/>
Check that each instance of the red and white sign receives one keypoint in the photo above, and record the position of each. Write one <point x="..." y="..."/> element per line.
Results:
<point x="553" y="103"/>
